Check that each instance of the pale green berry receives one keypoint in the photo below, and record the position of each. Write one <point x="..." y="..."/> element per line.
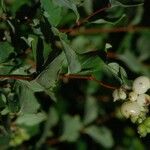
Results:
<point x="143" y="99"/>
<point x="140" y="120"/>
<point x="133" y="96"/>
<point x="147" y="123"/>
<point x="141" y="85"/>
<point x="142" y="130"/>
<point x="142" y="116"/>
<point x="130" y="109"/>
<point x="134" y="119"/>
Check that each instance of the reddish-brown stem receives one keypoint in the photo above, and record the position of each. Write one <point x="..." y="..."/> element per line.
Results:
<point x="111" y="55"/>
<point x="67" y="76"/>
<point x="74" y="76"/>
<point x="79" y="23"/>
<point x="75" y="32"/>
<point x="17" y="77"/>
<point x="53" y="141"/>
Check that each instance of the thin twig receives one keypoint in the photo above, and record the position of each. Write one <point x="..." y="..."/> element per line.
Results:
<point x="53" y="141"/>
<point x="75" y="32"/>
<point x="91" y="78"/>
<point x="17" y="77"/>
<point x="79" y="23"/>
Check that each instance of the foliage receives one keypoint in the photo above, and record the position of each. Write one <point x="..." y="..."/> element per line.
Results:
<point x="59" y="61"/>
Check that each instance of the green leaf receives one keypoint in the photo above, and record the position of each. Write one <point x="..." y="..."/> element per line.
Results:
<point x="17" y="4"/>
<point x="143" y="46"/>
<point x="2" y="100"/>
<point x="131" y="61"/>
<point x="5" y="50"/>
<point x="118" y="71"/>
<point x="91" y="64"/>
<point x="32" y="41"/>
<point x="101" y="135"/>
<point x="53" y="117"/>
<point x="5" y="111"/>
<point x="74" y="64"/>
<point x="115" y="68"/>
<point x="115" y="3"/>
<point x="31" y="119"/>
<point x="91" y="110"/>
<point x="51" y="11"/>
<point x="33" y="85"/>
<point x="73" y="60"/>
<point x="49" y="77"/>
<point x="4" y="141"/>
<point x="103" y="21"/>
<point x="84" y="44"/>
<point x="71" y="4"/>
<point x="138" y="16"/>
<point x="71" y="129"/>
<point x="32" y="130"/>
<point x="52" y="120"/>
<point x="5" y="69"/>
<point x="13" y="103"/>
<point x="88" y="6"/>
<point x="28" y="101"/>
<point x="81" y="145"/>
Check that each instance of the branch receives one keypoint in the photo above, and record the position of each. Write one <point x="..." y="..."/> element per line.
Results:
<point x="18" y="77"/>
<point x="90" y="78"/>
<point x="53" y="141"/>
<point x="74" y="32"/>
<point x="79" y="23"/>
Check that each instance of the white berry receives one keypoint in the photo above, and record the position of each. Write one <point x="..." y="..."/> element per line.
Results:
<point x="133" y="96"/>
<point x="141" y="85"/>
<point x="130" y="109"/>
<point x="119" y="94"/>
<point x="143" y="99"/>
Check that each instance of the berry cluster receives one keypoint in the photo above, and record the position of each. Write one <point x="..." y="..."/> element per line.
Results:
<point x="136" y="103"/>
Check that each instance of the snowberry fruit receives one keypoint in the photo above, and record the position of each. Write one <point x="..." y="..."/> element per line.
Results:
<point x="143" y="99"/>
<point x="130" y="109"/>
<point x="141" y="85"/>
<point x="119" y="94"/>
<point x="133" y="96"/>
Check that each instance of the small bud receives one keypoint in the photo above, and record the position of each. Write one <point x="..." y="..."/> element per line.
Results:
<point x="119" y="94"/>
<point x="25" y="17"/>
<point x="4" y="38"/>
